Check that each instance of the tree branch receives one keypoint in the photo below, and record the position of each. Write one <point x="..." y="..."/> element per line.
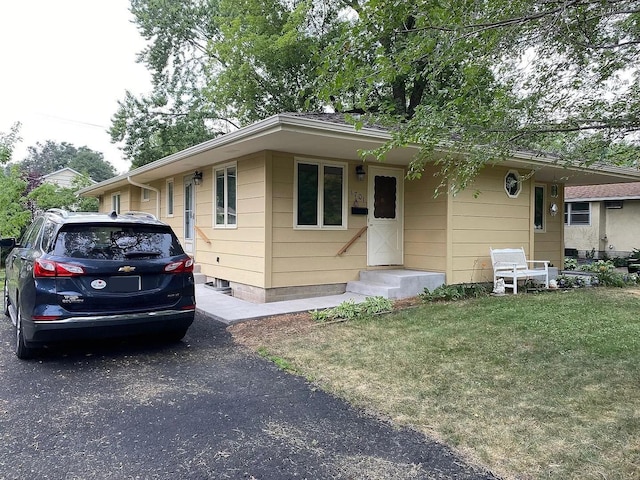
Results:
<point x="632" y="126"/>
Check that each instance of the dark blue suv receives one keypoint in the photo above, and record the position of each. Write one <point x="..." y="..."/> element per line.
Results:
<point x="88" y="275"/>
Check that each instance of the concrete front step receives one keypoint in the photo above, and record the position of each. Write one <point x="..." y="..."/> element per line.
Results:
<point x="395" y="284"/>
<point x="198" y="276"/>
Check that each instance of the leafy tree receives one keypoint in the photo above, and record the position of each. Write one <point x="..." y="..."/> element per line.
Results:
<point x="92" y="164"/>
<point x="49" y="195"/>
<point x="176" y="114"/>
<point x="14" y="216"/>
<point x="7" y="142"/>
<point x="151" y="129"/>
<point x="218" y="64"/>
<point x="51" y="156"/>
<point x="482" y="78"/>
<point x="493" y="77"/>
<point x="84" y="204"/>
<point x="266" y="57"/>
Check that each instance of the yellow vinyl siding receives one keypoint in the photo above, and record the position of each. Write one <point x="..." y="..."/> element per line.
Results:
<point x="449" y="234"/>
<point x="235" y="254"/>
<point x="487" y="219"/>
<point x="309" y="257"/>
<point x="425" y="223"/>
<point x="549" y="245"/>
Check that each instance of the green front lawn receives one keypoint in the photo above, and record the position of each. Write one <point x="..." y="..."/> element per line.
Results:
<point x="530" y="386"/>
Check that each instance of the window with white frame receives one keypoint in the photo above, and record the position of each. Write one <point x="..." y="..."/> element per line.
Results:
<point x="577" y="213"/>
<point x="512" y="184"/>
<point x="538" y="212"/>
<point x="115" y="202"/>
<point x="225" y="196"/>
<point x="170" y="197"/>
<point x="145" y="195"/>
<point x="320" y="195"/>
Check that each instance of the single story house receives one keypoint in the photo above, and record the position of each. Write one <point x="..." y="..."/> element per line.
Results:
<point x="602" y="219"/>
<point x="286" y="208"/>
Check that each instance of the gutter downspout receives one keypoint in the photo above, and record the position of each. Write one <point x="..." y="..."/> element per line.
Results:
<point x="147" y="187"/>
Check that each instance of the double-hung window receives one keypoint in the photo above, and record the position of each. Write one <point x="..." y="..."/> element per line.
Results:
<point x="320" y="195"/>
<point x="577" y="213"/>
<point x="225" y="197"/>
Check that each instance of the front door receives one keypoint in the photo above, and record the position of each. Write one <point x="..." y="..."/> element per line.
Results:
<point x="384" y="235"/>
<point x="189" y="213"/>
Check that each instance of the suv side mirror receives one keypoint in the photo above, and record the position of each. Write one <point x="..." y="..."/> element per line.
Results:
<point x="7" y="243"/>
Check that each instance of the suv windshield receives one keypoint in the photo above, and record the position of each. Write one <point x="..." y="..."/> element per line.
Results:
<point x="116" y="242"/>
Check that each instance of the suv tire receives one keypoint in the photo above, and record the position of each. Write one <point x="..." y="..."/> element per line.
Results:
<point x="174" y="336"/>
<point x="22" y="350"/>
<point x="6" y="298"/>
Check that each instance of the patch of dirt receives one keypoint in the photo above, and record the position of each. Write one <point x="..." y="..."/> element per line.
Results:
<point x="254" y="333"/>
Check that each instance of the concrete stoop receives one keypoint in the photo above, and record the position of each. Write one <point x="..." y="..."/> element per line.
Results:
<point x="395" y="284"/>
<point x="198" y="276"/>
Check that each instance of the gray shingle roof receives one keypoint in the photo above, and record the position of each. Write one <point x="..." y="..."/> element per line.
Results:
<point x="611" y="191"/>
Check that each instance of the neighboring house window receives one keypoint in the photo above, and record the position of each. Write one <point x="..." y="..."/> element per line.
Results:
<point x="170" y="197"/>
<point x="512" y="184"/>
<point x="146" y="194"/>
<point x="115" y="202"/>
<point x="577" y="213"/>
<point x="538" y="214"/>
<point x="225" y="196"/>
<point x="320" y="194"/>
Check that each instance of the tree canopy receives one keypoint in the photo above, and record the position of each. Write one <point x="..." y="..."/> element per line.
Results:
<point x="7" y="143"/>
<point x="482" y="78"/>
<point x="51" y="156"/>
<point x="49" y="195"/>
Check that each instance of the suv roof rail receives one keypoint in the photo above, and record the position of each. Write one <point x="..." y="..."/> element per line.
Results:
<point x="141" y="214"/>
<point x="58" y="211"/>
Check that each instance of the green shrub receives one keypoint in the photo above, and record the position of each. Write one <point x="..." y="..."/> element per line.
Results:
<point x="604" y="274"/>
<point x="566" y="281"/>
<point x="350" y="310"/>
<point x="620" y="261"/>
<point x="455" y="292"/>
<point x="570" y="263"/>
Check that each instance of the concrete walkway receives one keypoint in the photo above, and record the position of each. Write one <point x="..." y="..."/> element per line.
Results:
<point x="229" y="310"/>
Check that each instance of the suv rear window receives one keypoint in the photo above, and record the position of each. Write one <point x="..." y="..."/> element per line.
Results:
<point x="116" y="242"/>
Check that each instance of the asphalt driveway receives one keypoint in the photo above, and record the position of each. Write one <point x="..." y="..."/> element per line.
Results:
<point x="200" y="409"/>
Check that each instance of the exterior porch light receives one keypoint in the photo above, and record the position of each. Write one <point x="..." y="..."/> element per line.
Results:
<point x="360" y="173"/>
<point x="197" y="177"/>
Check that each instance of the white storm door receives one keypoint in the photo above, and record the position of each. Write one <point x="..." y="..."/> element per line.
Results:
<point x="189" y="213"/>
<point x="385" y="218"/>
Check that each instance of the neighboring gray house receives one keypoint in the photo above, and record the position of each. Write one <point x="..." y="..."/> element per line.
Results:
<point x="602" y="218"/>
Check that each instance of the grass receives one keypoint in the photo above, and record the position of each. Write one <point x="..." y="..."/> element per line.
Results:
<point x="531" y="386"/>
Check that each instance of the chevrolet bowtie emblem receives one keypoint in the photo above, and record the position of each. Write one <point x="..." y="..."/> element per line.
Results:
<point x="126" y="269"/>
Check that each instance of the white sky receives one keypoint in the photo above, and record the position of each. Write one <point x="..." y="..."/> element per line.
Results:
<point x="64" y="64"/>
